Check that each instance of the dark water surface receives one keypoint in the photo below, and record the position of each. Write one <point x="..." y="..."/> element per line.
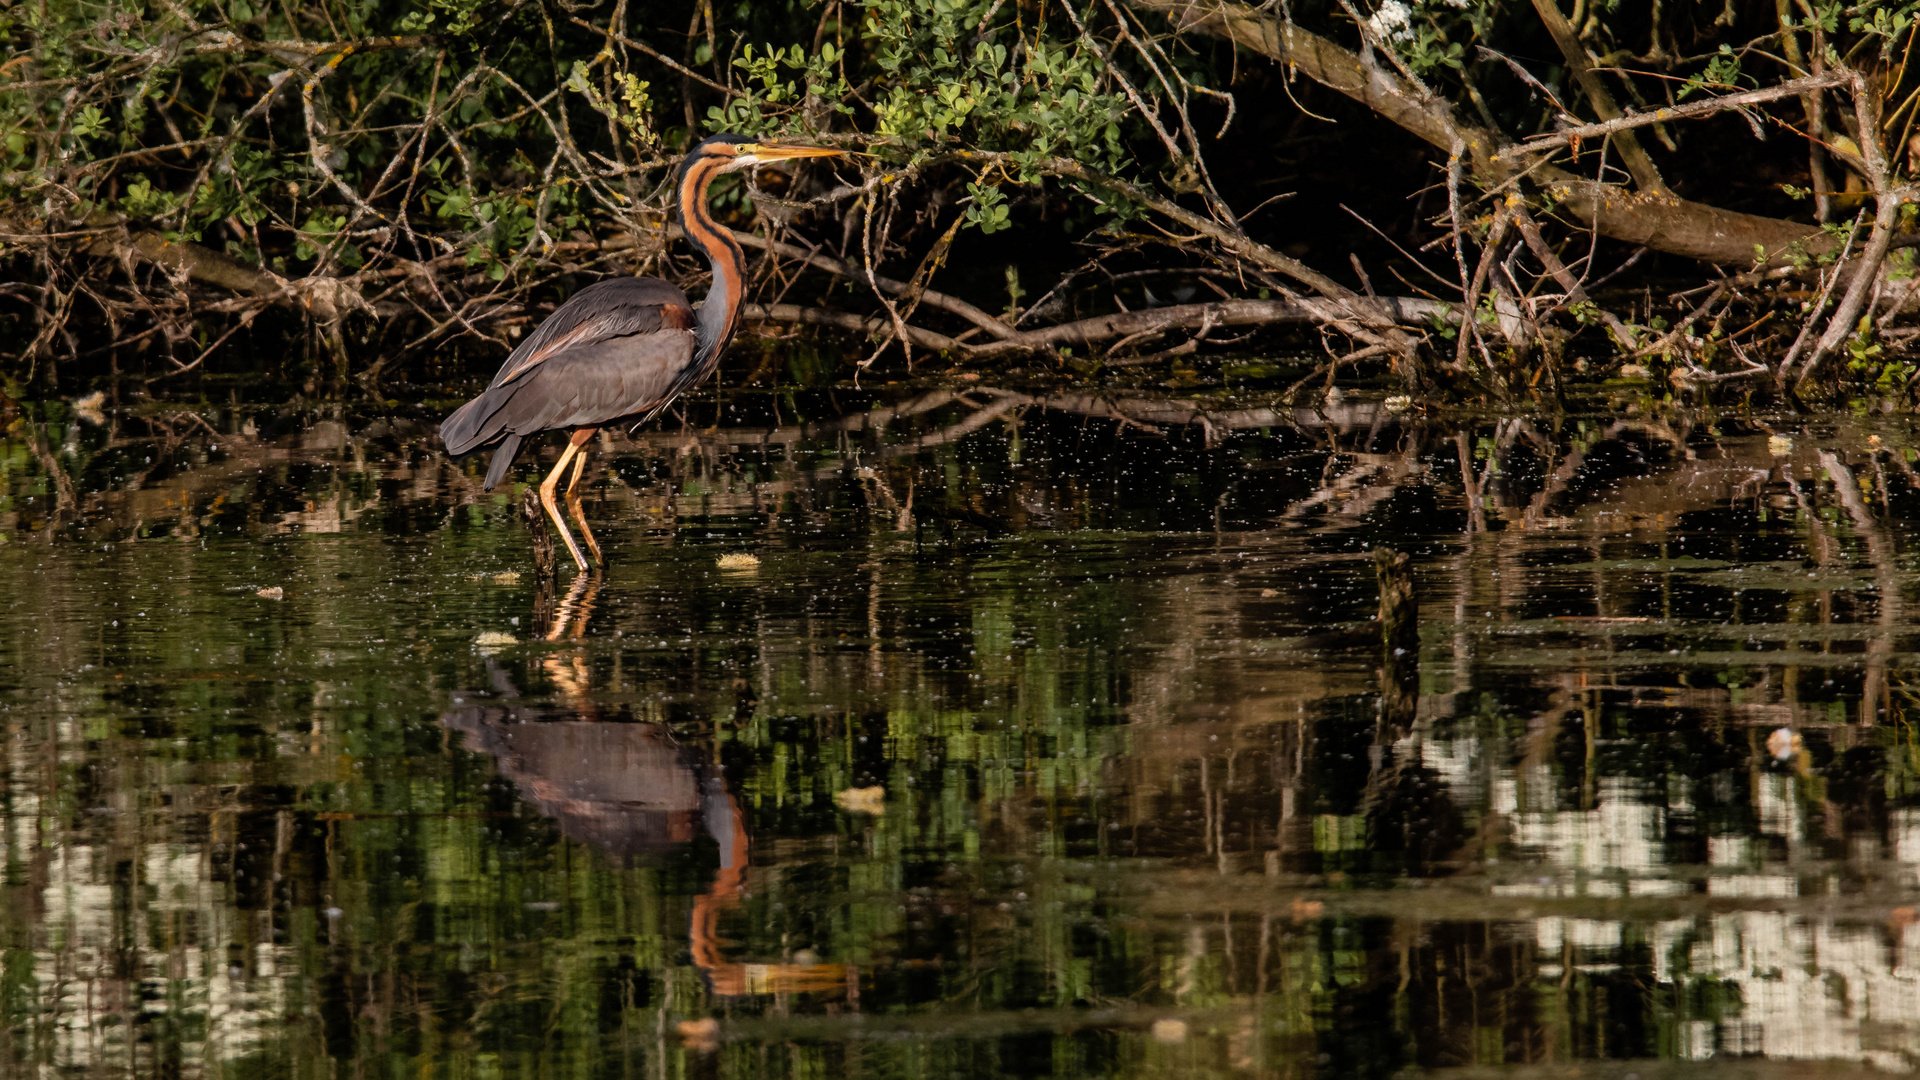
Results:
<point x="1044" y="738"/>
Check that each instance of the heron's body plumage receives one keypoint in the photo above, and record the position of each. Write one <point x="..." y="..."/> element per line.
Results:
<point x="613" y="350"/>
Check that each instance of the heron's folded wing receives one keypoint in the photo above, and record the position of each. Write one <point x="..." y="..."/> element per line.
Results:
<point x="615" y="308"/>
<point x="595" y="383"/>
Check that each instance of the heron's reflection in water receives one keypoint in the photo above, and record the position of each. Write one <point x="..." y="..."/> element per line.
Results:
<point x="629" y="789"/>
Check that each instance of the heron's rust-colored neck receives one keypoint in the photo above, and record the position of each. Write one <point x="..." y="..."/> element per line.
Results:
<point x="720" y="314"/>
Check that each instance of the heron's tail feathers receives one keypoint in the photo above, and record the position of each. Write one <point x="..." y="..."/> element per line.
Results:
<point x="478" y="424"/>
<point x="502" y="460"/>
<point x="471" y="426"/>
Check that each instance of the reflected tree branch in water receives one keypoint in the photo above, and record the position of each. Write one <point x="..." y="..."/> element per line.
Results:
<point x="1572" y="463"/>
<point x="65" y="500"/>
<point x="1874" y="694"/>
<point x="1399" y="619"/>
<point x="1470" y="484"/>
<point x="1371" y="453"/>
<point x="1003" y="402"/>
<point x="1147" y="411"/>
<point x="1157" y="736"/>
<point x="1822" y="550"/>
<point x="1336" y="490"/>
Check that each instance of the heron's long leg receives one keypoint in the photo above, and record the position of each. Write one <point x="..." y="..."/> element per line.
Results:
<point x="553" y="512"/>
<point x="573" y="501"/>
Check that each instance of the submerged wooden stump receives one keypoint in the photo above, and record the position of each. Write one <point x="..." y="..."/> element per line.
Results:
<point x="536" y="516"/>
<point x="543" y="559"/>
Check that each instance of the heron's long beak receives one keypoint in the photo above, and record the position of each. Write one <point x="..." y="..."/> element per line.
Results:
<point x="770" y="152"/>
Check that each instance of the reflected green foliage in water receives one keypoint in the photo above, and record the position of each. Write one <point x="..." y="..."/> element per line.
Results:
<point x="1043" y="738"/>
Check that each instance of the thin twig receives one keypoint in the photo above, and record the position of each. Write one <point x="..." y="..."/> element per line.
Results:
<point x="1692" y="110"/>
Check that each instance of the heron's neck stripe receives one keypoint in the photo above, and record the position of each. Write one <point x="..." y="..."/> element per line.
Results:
<point x="717" y="314"/>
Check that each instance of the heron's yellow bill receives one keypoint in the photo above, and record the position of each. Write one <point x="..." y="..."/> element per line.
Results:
<point x="773" y="152"/>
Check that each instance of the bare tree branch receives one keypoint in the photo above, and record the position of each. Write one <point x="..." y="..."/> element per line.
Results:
<point x="1705" y="107"/>
<point x="1661" y="222"/>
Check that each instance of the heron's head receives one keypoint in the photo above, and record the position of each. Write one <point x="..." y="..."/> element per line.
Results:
<point x="741" y="152"/>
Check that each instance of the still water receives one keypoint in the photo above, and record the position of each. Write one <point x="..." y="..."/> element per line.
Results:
<point x="962" y="733"/>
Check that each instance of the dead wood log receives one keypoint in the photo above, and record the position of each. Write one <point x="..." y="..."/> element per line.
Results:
<point x="1652" y="219"/>
<point x="867" y="325"/>
<point x="1410" y="310"/>
<point x="1865" y="274"/>
<point x="1086" y="332"/>
<point x="328" y="299"/>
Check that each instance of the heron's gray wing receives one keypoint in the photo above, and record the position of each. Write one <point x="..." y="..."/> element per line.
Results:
<point x="617" y="307"/>
<point x="593" y="384"/>
<point x="591" y="324"/>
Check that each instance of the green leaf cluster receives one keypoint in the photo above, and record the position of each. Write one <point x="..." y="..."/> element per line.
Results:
<point x="948" y="76"/>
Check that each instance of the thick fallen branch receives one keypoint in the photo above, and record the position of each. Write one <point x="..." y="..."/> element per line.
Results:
<point x="1662" y="222"/>
<point x="326" y="298"/>
<point x="1119" y="326"/>
<point x="1104" y="328"/>
<point x="867" y="325"/>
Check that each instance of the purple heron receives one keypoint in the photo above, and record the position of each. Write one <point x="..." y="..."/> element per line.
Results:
<point x="619" y="349"/>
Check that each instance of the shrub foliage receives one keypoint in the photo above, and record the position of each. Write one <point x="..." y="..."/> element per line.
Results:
<point x="386" y="179"/>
